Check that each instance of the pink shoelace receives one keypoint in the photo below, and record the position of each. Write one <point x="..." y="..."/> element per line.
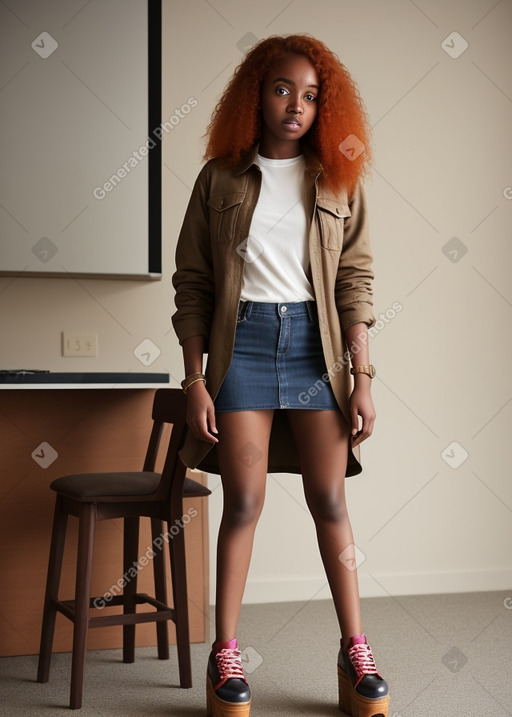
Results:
<point x="362" y="659"/>
<point x="229" y="664"/>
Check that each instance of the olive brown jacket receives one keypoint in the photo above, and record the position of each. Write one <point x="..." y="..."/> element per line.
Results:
<point x="208" y="281"/>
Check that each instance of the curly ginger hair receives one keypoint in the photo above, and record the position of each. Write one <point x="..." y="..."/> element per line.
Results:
<point x="340" y="111"/>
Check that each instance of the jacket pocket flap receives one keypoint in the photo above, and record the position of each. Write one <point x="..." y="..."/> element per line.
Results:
<point x="335" y="207"/>
<point x="221" y="202"/>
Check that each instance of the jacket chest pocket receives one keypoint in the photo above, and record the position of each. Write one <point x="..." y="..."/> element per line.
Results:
<point x="224" y="210"/>
<point x="331" y="217"/>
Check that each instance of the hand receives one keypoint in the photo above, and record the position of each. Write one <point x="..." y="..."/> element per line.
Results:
<point x="201" y="413"/>
<point x="361" y="404"/>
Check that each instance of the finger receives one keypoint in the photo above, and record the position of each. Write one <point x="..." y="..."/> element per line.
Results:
<point x="198" y="428"/>
<point x="365" y="432"/>
<point x="369" y="424"/>
<point x="204" y="428"/>
<point x="204" y="434"/>
<point x="355" y="421"/>
<point x="211" y="420"/>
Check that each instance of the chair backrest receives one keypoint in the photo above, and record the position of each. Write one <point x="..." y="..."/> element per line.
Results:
<point x="169" y="409"/>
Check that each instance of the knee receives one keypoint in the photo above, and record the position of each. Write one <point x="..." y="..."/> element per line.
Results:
<point x="327" y="508"/>
<point x="242" y="510"/>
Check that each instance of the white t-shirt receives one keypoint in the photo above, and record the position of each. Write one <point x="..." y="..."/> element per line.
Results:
<point x="276" y="252"/>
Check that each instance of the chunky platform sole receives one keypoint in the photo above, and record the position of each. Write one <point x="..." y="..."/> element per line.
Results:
<point x="357" y="706"/>
<point x="215" y="707"/>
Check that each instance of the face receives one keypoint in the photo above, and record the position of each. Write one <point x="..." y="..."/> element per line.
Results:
<point x="289" y="99"/>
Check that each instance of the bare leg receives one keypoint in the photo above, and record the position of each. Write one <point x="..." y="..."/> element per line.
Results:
<point x="243" y="460"/>
<point x="322" y="439"/>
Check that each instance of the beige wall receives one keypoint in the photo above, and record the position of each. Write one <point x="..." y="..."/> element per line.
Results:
<point x="426" y="516"/>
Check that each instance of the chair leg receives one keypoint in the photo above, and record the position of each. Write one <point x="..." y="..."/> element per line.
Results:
<point x="86" y="530"/>
<point x="162" y="633"/>
<point x="52" y="590"/>
<point x="130" y="559"/>
<point x="180" y="596"/>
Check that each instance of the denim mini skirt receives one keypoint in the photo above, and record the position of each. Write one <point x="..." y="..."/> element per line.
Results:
<point x="277" y="361"/>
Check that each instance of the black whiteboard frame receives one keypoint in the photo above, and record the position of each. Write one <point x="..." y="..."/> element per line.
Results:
<point x="155" y="152"/>
<point x="154" y="116"/>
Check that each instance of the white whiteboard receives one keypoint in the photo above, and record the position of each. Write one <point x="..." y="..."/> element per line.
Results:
<point x="74" y="139"/>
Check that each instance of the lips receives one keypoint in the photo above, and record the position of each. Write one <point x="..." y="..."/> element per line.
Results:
<point x="292" y="122"/>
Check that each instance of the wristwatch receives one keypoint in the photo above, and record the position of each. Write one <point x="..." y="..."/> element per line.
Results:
<point x="368" y="370"/>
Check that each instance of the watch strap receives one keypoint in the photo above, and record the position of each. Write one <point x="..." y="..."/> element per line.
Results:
<point x="369" y="370"/>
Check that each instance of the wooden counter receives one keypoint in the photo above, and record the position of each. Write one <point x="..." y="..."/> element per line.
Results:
<point x="88" y="429"/>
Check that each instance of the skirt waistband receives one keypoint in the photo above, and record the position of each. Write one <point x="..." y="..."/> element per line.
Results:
<point x="283" y="309"/>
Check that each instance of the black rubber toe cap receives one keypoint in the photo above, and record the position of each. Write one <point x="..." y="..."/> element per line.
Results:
<point x="234" y="691"/>
<point x="372" y="687"/>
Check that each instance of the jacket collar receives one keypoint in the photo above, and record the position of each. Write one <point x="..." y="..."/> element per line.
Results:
<point x="247" y="160"/>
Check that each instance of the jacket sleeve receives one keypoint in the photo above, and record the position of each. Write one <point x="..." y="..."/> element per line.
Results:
<point x="193" y="278"/>
<point x="354" y="293"/>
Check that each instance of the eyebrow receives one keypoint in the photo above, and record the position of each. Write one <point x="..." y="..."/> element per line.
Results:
<point x="290" y="82"/>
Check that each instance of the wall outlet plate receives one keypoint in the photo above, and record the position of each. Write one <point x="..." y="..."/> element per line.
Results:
<point x="79" y="344"/>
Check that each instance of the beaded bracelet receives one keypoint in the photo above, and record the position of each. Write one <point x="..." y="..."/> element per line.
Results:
<point x="192" y="378"/>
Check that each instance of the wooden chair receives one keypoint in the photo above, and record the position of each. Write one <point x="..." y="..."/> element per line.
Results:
<point x="100" y="496"/>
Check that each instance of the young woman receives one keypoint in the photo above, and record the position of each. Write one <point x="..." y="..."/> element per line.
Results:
<point x="273" y="281"/>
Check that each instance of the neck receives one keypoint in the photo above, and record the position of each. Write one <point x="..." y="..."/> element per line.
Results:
<point x="279" y="150"/>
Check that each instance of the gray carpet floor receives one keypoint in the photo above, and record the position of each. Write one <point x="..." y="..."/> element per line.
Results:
<point x="443" y="656"/>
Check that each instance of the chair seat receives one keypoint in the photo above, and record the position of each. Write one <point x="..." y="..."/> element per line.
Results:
<point x="92" y="486"/>
<point x="87" y="486"/>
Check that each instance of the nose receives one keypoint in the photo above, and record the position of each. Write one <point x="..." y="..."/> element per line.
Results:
<point x="295" y="105"/>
